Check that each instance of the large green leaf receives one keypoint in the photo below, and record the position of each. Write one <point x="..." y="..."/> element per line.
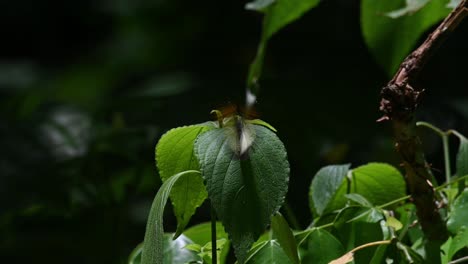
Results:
<point x="285" y="237"/>
<point x="269" y="252"/>
<point x="154" y="236"/>
<point x="245" y="190"/>
<point x="391" y="40"/>
<point x="174" y="154"/>
<point x="325" y="186"/>
<point x="379" y="183"/>
<point x="322" y="248"/>
<point x="458" y="217"/>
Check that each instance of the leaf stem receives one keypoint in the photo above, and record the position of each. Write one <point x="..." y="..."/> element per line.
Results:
<point x="445" y="144"/>
<point x="214" y="247"/>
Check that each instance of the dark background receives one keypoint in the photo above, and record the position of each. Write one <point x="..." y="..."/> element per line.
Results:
<point x="87" y="87"/>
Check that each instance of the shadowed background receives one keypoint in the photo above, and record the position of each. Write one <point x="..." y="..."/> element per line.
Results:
<point x="88" y="87"/>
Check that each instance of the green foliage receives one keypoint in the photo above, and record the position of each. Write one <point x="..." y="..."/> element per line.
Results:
<point x="379" y="183"/>
<point x="245" y="191"/>
<point x="174" y="154"/>
<point x="324" y="187"/>
<point x="175" y="251"/>
<point x="458" y="216"/>
<point x="285" y="237"/>
<point x="278" y="14"/>
<point x="268" y="252"/>
<point x="153" y="250"/>
<point x="391" y="39"/>
<point x="322" y="247"/>
<point x="454" y="244"/>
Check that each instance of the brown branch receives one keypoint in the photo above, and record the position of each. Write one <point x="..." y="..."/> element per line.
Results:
<point x="399" y="102"/>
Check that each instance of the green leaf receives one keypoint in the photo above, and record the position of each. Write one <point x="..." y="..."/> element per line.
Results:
<point x="322" y="248"/>
<point x="379" y="183"/>
<point x="325" y="185"/>
<point x="453" y="245"/>
<point x="245" y="190"/>
<point x="278" y="14"/>
<point x="359" y="199"/>
<point x="175" y="251"/>
<point x="462" y="156"/>
<point x="269" y="252"/>
<point x="201" y="235"/>
<point x="283" y="12"/>
<point x="393" y="223"/>
<point x="459" y="214"/>
<point x="154" y="236"/>
<point x="135" y="256"/>
<point x="391" y="40"/>
<point x="369" y="215"/>
<point x="174" y="154"/>
<point x="411" y="7"/>
<point x="285" y="237"/>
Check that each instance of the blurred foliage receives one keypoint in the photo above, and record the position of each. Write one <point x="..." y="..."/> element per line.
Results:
<point x="88" y="87"/>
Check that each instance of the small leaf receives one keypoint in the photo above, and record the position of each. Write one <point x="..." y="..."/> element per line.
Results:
<point x="245" y="189"/>
<point x="394" y="223"/>
<point x="194" y="247"/>
<point x="359" y="199"/>
<point x="262" y="123"/>
<point x="285" y="237"/>
<point x="154" y="236"/>
<point x="453" y="245"/>
<point x="322" y="247"/>
<point x="174" y="153"/>
<point x="269" y="252"/>
<point x="201" y="235"/>
<point x="459" y="214"/>
<point x="325" y="185"/>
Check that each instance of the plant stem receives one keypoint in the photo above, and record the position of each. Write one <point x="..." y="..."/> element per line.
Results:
<point x="214" y="247"/>
<point x="460" y="260"/>
<point x="445" y="144"/>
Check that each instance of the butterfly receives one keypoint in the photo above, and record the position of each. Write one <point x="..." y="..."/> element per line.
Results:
<point x="238" y="126"/>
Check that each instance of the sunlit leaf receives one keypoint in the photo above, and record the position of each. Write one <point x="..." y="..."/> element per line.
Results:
<point x="379" y="183"/>
<point x="245" y="189"/>
<point x="174" y="154"/>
